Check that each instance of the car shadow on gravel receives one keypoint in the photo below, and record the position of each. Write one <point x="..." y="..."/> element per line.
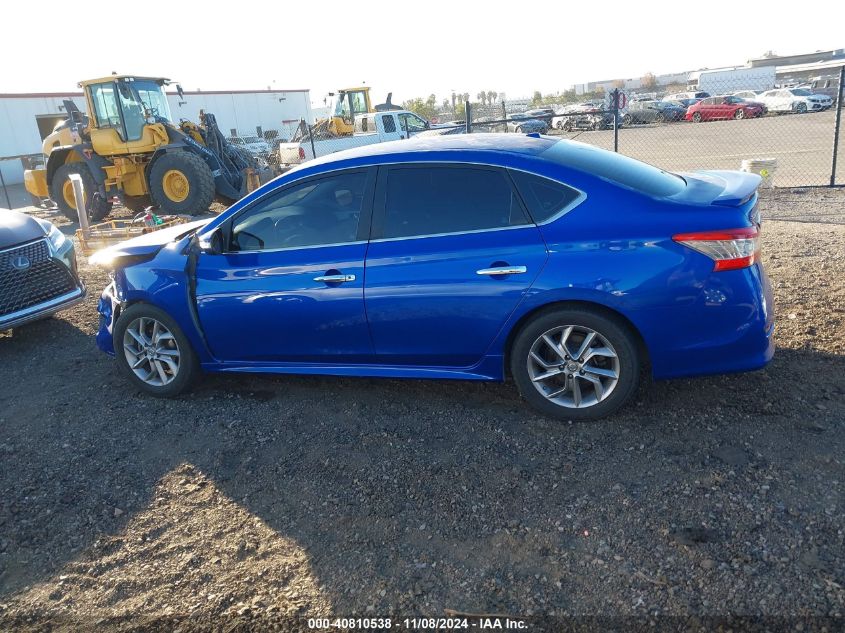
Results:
<point x="416" y="496"/>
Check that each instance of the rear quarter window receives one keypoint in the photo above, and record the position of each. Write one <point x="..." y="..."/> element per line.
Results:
<point x="614" y="167"/>
<point x="544" y="198"/>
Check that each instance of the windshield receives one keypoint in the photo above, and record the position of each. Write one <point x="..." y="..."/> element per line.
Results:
<point x="615" y="167"/>
<point x="800" y="92"/>
<point x="151" y="95"/>
<point x="357" y="102"/>
<point x="251" y="139"/>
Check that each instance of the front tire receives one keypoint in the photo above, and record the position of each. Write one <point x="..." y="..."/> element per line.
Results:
<point x="697" y="117"/>
<point x="153" y="353"/>
<point x="801" y="108"/>
<point x="181" y="182"/>
<point x="576" y="364"/>
<point x="739" y="114"/>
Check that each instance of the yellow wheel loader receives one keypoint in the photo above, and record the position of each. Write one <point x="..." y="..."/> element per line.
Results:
<point x="128" y="146"/>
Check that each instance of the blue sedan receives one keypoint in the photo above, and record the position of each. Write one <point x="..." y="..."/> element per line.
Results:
<point x="576" y="271"/>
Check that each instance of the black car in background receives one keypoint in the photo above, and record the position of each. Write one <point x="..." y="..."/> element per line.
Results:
<point x="652" y="112"/>
<point x="38" y="275"/>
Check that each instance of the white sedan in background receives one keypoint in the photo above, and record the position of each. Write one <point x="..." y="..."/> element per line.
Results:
<point x="794" y="100"/>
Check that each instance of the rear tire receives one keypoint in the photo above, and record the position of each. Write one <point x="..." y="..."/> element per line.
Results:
<point x="627" y="119"/>
<point x="660" y="118"/>
<point x="173" y="356"/>
<point x="567" y="126"/>
<point x="61" y="192"/>
<point x="614" y="362"/>
<point x="181" y="182"/>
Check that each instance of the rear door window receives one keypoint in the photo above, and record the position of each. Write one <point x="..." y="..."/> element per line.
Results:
<point x="434" y="200"/>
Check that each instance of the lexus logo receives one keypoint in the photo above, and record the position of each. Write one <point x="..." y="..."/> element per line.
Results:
<point x="20" y="262"/>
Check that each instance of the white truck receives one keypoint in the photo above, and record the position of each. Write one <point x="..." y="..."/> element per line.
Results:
<point x="370" y="128"/>
<point x="721" y="81"/>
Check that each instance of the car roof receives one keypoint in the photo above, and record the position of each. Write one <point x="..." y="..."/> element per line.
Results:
<point x="418" y="147"/>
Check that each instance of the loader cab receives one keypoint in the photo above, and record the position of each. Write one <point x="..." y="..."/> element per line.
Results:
<point x="349" y="103"/>
<point x="121" y="110"/>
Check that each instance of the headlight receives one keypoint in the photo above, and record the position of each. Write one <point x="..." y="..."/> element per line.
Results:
<point x="56" y="237"/>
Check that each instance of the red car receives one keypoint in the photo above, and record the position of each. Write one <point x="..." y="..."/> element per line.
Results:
<point x="726" y="107"/>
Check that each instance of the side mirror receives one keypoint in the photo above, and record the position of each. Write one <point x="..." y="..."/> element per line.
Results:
<point x="212" y="243"/>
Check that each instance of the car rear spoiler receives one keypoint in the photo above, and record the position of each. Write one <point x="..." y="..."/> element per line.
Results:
<point x="721" y="187"/>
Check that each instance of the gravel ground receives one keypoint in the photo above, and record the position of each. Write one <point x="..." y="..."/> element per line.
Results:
<point x="330" y="496"/>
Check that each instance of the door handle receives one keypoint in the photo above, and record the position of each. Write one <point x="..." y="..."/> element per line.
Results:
<point x="335" y="279"/>
<point x="502" y="270"/>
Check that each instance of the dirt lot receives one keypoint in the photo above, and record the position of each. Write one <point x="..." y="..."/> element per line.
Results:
<point x="309" y="495"/>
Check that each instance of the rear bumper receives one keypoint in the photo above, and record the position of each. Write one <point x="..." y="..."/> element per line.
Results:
<point x="42" y="310"/>
<point x="729" y="328"/>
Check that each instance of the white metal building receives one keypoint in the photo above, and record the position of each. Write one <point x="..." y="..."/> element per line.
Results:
<point x="25" y="119"/>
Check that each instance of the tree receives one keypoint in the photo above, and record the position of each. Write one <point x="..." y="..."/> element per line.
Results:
<point x="460" y="99"/>
<point x="427" y="108"/>
<point x="649" y="81"/>
<point x="445" y="104"/>
<point x="482" y="97"/>
<point x="466" y="97"/>
<point x="454" y="98"/>
<point x="537" y="99"/>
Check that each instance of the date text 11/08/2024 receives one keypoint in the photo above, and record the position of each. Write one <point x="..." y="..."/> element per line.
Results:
<point x="419" y="624"/>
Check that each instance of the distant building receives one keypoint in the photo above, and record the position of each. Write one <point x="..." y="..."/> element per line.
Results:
<point x="26" y="119"/>
<point x="634" y="83"/>
<point x="803" y="58"/>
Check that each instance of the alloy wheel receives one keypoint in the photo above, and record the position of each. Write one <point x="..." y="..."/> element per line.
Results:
<point x="573" y="366"/>
<point x="151" y="351"/>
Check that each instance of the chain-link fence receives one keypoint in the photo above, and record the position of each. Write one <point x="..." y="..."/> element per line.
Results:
<point x="789" y="133"/>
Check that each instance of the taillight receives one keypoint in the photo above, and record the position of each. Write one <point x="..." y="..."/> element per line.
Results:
<point x="301" y="154"/>
<point x="730" y="249"/>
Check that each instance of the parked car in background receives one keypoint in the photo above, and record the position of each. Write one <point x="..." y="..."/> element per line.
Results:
<point x="522" y="122"/>
<point x="462" y="257"/>
<point x="688" y="97"/>
<point x="723" y="107"/>
<point x="828" y="86"/>
<point x="38" y="275"/>
<point x="594" y="118"/>
<point x="748" y="95"/>
<point x="544" y="114"/>
<point x="253" y="144"/>
<point x="652" y="112"/>
<point x="798" y="100"/>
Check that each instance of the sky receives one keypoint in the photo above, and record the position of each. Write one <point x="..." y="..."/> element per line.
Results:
<point x="410" y="48"/>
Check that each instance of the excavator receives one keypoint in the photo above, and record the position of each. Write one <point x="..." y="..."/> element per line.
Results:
<point x="128" y="146"/>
